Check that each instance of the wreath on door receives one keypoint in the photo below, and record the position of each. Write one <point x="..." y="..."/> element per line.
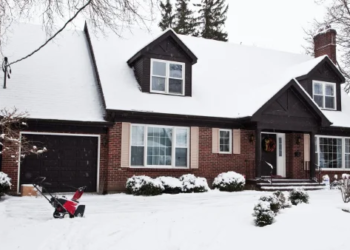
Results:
<point x="269" y="145"/>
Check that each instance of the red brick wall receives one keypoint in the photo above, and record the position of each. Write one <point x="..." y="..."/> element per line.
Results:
<point x="210" y="165"/>
<point x="295" y="165"/>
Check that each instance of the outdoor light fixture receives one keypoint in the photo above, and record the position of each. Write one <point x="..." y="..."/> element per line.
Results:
<point x="298" y="140"/>
<point x="251" y="138"/>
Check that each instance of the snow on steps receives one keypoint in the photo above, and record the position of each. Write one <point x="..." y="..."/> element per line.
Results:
<point x="289" y="184"/>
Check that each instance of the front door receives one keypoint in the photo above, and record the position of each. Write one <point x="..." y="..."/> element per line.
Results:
<point x="268" y="154"/>
<point x="273" y="151"/>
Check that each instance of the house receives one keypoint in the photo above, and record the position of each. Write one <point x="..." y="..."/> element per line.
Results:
<point x="110" y="107"/>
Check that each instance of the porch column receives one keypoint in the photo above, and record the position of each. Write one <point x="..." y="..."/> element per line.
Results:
<point x="312" y="155"/>
<point x="258" y="152"/>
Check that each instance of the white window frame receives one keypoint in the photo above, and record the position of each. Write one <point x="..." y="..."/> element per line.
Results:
<point x="167" y="76"/>
<point x="172" y="166"/>
<point x="230" y="142"/>
<point x="324" y="84"/>
<point x="317" y="150"/>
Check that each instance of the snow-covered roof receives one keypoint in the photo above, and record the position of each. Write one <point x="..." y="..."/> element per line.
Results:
<point x="228" y="81"/>
<point x="56" y="83"/>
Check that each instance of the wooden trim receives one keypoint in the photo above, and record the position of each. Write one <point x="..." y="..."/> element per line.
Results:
<point x="236" y="141"/>
<point x="306" y="147"/>
<point x="215" y="140"/>
<point x="194" y="148"/>
<point x="125" y="145"/>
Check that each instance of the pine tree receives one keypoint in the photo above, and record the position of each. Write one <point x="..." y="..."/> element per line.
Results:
<point x="167" y="15"/>
<point x="185" y="22"/>
<point x="212" y="17"/>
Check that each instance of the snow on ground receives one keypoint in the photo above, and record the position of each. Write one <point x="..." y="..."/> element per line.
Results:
<point x="214" y="220"/>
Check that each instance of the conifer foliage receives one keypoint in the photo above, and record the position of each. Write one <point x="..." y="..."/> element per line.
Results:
<point x="167" y="15"/>
<point x="212" y="17"/>
<point x="185" y="22"/>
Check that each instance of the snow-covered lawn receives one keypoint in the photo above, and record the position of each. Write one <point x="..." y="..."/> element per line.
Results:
<point x="214" y="220"/>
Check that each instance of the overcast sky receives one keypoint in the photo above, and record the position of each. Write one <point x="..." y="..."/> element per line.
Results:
<point x="276" y="24"/>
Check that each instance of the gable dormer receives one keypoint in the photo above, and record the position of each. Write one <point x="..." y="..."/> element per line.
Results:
<point x="323" y="84"/>
<point x="164" y="66"/>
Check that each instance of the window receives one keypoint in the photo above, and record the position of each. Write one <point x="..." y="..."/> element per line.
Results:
<point x="324" y="94"/>
<point x="225" y="141"/>
<point x="333" y="152"/>
<point x="159" y="146"/>
<point x="167" y="77"/>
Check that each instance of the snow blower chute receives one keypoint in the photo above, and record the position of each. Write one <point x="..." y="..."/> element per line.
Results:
<point x="63" y="206"/>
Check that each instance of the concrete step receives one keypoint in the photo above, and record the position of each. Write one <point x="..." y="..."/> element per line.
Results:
<point x="289" y="188"/>
<point x="288" y="184"/>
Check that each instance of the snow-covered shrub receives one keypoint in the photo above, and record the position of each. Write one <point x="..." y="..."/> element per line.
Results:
<point x="263" y="214"/>
<point x="191" y="183"/>
<point x="273" y="201"/>
<point x="298" y="196"/>
<point x="5" y="183"/>
<point x="144" y="185"/>
<point x="230" y="181"/>
<point x="284" y="203"/>
<point x="171" y="185"/>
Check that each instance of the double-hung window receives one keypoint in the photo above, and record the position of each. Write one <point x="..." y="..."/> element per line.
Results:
<point x="324" y="94"/>
<point x="167" y="77"/>
<point x="225" y="146"/>
<point x="159" y="146"/>
<point x="333" y="152"/>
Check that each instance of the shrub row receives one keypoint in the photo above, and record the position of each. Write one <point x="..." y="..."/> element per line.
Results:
<point x="269" y="205"/>
<point x="144" y="185"/>
<point x="188" y="183"/>
<point x="5" y="183"/>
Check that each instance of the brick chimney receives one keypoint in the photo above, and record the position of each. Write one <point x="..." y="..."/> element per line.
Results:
<point x="325" y="43"/>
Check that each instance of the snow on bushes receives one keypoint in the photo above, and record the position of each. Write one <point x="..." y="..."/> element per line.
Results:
<point x="229" y="181"/>
<point x="298" y="196"/>
<point x="284" y="203"/>
<point x="171" y="185"/>
<point x="273" y="201"/>
<point x="263" y="214"/>
<point x="5" y="183"/>
<point x="144" y="185"/>
<point x="191" y="183"/>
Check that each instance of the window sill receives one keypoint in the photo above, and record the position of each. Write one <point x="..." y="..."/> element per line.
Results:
<point x="225" y="153"/>
<point x="158" y="167"/>
<point x="335" y="169"/>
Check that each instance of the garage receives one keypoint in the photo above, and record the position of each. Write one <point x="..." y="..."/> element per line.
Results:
<point x="70" y="161"/>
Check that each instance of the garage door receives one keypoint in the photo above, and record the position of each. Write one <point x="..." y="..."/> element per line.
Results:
<point x="71" y="161"/>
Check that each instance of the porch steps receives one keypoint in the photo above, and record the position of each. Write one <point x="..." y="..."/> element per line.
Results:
<point x="288" y="184"/>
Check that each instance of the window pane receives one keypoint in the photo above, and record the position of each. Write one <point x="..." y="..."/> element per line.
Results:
<point x="181" y="137"/>
<point x="318" y="89"/>
<point x="175" y="70"/>
<point x="175" y="86"/>
<point x="330" y="152"/>
<point x="159" y="142"/>
<point x="181" y="157"/>
<point x="159" y="68"/>
<point x="137" y="156"/>
<point x="137" y="135"/>
<point x="158" y="83"/>
<point x="225" y="141"/>
<point x="330" y="90"/>
<point x="347" y="145"/>
<point x="279" y="146"/>
<point x="329" y="102"/>
<point x="319" y="100"/>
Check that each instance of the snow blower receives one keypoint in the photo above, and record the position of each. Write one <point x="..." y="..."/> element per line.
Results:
<point x="63" y="206"/>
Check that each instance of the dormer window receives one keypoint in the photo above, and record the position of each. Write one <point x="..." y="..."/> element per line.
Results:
<point x="324" y="94"/>
<point x="167" y="77"/>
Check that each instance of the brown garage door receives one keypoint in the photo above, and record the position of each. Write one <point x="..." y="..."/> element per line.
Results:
<point x="69" y="161"/>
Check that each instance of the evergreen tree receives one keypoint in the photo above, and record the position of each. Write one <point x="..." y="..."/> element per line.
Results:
<point x="185" y="23"/>
<point x="167" y="15"/>
<point x="212" y="17"/>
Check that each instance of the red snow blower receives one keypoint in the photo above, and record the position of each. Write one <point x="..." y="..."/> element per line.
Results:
<point x="63" y="207"/>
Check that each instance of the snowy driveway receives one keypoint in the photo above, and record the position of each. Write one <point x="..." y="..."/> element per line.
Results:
<point x="213" y="220"/>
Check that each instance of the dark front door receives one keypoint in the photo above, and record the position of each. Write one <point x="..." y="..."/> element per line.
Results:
<point x="69" y="161"/>
<point x="268" y="154"/>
